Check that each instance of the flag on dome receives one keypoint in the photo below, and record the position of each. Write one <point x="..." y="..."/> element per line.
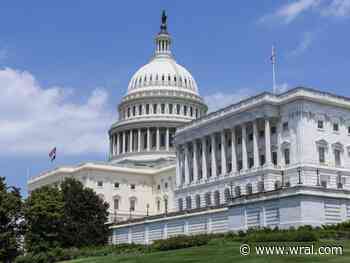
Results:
<point x="52" y="154"/>
<point x="273" y="56"/>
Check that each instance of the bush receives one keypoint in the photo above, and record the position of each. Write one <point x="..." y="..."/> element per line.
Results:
<point x="181" y="241"/>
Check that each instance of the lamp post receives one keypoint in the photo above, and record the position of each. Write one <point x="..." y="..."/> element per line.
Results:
<point x="317" y="177"/>
<point x="147" y="209"/>
<point x="282" y="179"/>
<point x="340" y="185"/>
<point x="165" y="205"/>
<point x="299" y="175"/>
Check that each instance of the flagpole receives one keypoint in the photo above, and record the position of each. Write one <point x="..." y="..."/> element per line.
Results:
<point x="273" y="57"/>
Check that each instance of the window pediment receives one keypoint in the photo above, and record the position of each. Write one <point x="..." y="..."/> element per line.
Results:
<point x="285" y="144"/>
<point x="322" y="143"/>
<point x="338" y="146"/>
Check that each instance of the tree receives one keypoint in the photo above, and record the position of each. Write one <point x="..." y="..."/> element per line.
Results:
<point x="85" y="216"/>
<point x="11" y="221"/>
<point x="44" y="219"/>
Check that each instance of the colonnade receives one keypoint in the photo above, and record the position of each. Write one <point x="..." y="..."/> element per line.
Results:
<point x="226" y="152"/>
<point x="142" y="140"/>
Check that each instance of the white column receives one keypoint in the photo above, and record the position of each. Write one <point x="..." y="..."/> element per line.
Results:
<point x="118" y="143"/>
<point x="195" y="162"/>
<point x="139" y="140"/>
<point x="148" y="140"/>
<point x="244" y="147"/>
<point x="255" y="144"/>
<point x="223" y="153"/>
<point x="204" y="159"/>
<point x="233" y="149"/>
<point x="124" y="146"/>
<point x="131" y="141"/>
<point x="213" y="156"/>
<point x="157" y="139"/>
<point x="187" y="170"/>
<point x="267" y="142"/>
<point x="178" y="167"/>
<point x="167" y="139"/>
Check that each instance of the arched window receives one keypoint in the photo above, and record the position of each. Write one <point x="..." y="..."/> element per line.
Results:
<point x="237" y="191"/>
<point x="134" y="111"/>
<point x="227" y="194"/>
<point x="249" y="189"/>
<point x="198" y="201"/>
<point x="188" y="202"/>
<point x="180" y="204"/>
<point x="208" y="199"/>
<point x="140" y="109"/>
<point x="133" y="203"/>
<point x="163" y="78"/>
<point x="116" y="203"/>
<point x="217" y="198"/>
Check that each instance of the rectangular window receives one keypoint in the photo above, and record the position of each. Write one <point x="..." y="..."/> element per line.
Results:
<point x="335" y="127"/>
<point x="286" y="156"/>
<point x="337" y="158"/>
<point x="154" y="108"/>
<point x="116" y="204"/>
<point x="239" y="140"/>
<point x="262" y="159"/>
<point x="274" y="158"/>
<point x="321" y="154"/>
<point x="185" y="110"/>
<point x="116" y="185"/>
<point x="250" y="136"/>
<point x="132" y="204"/>
<point x="178" y="109"/>
<point x="262" y="134"/>
<point x="147" y="108"/>
<point x="320" y="124"/>
<point x="170" y="108"/>
<point x="285" y="126"/>
<point x="251" y="162"/>
<point x="100" y="184"/>
<point x="349" y="130"/>
<point x="162" y="106"/>
<point x="273" y="130"/>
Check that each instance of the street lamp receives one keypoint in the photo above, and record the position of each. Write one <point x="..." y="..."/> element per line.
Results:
<point x="317" y="177"/>
<point x="147" y="207"/>
<point x="299" y="175"/>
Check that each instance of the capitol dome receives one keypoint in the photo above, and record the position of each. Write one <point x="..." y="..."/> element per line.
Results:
<point x="165" y="72"/>
<point x="161" y="96"/>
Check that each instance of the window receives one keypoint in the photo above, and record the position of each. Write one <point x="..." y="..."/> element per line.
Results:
<point x="158" y="205"/>
<point x="154" y="108"/>
<point x="158" y="187"/>
<point x="321" y="154"/>
<point x="320" y="124"/>
<point x="100" y="184"/>
<point x="240" y="165"/>
<point x="180" y="204"/>
<point x="132" y="187"/>
<point x="261" y="187"/>
<point x="262" y="159"/>
<point x="217" y="198"/>
<point x="134" y="111"/>
<point x="285" y="126"/>
<point x="239" y="140"/>
<point x="116" y="185"/>
<point x="349" y="130"/>
<point x="286" y="156"/>
<point x="262" y="134"/>
<point x="196" y="113"/>
<point x="227" y="195"/>
<point x="273" y="130"/>
<point x="116" y="203"/>
<point x="162" y="107"/>
<point x="207" y="199"/>
<point x="128" y="112"/>
<point x="237" y="191"/>
<point x="147" y="108"/>
<point x="166" y="185"/>
<point x="250" y="137"/>
<point x="198" y="201"/>
<point x="249" y="189"/>
<point x="185" y="110"/>
<point x="188" y="202"/>
<point x="191" y="111"/>
<point x="140" y="109"/>
<point x="132" y="204"/>
<point x="335" y="127"/>
<point x="170" y="108"/>
<point x="274" y="158"/>
<point x="251" y="162"/>
<point x="177" y="109"/>
<point x="337" y="157"/>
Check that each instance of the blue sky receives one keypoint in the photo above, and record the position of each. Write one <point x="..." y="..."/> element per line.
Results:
<point x="64" y="65"/>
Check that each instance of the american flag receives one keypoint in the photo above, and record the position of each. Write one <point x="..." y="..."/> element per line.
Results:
<point x="273" y="56"/>
<point x="52" y="154"/>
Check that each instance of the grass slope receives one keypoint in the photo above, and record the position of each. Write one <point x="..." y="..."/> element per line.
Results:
<point x="216" y="252"/>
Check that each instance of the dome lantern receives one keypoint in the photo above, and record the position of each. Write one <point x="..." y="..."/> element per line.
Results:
<point x="163" y="40"/>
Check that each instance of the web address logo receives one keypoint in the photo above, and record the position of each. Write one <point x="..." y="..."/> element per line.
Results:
<point x="290" y="250"/>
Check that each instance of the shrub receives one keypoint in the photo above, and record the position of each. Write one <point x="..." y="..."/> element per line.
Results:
<point x="181" y="241"/>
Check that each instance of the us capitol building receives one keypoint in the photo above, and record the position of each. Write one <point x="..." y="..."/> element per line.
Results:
<point x="272" y="160"/>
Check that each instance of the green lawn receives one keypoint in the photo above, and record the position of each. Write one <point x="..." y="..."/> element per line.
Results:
<point x="216" y="252"/>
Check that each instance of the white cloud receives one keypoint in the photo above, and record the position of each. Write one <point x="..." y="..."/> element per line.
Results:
<point x="304" y="44"/>
<point x="34" y="119"/>
<point x="219" y="100"/>
<point x="289" y="12"/>
<point x="337" y="8"/>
